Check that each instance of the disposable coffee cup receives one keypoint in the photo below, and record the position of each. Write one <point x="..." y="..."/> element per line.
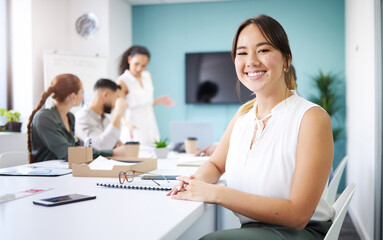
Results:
<point x="132" y="148"/>
<point x="191" y="144"/>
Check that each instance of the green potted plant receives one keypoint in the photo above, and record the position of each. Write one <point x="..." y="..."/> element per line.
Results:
<point x="327" y="98"/>
<point x="12" y="119"/>
<point x="161" y="148"/>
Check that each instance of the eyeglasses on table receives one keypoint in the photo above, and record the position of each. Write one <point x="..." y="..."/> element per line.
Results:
<point x="129" y="176"/>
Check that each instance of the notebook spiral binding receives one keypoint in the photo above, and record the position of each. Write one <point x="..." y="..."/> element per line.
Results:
<point x="136" y="187"/>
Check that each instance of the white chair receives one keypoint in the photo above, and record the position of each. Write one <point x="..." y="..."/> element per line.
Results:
<point x="14" y="158"/>
<point x="340" y="206"/>
<point x="330" y="192"/>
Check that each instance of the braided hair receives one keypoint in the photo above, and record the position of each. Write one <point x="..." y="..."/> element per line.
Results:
<point x="62" y="86"/>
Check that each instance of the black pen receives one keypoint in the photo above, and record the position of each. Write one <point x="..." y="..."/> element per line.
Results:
<point x="156" y="182"/>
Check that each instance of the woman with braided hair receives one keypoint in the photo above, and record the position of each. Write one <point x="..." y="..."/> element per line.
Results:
<point x="51" y="130"/>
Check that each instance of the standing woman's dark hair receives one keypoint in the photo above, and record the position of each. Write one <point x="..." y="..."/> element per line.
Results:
<point x="62" y="86"/>
<point x="133" y="50"/>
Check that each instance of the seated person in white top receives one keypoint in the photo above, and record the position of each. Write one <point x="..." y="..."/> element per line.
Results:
<point x="276" y="152"/>
<point x="92" y="121"/>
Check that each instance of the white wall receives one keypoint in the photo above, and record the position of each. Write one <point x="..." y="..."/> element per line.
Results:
<point x="100" y="42"/>
<point x="120" y="29"/>
<point x="49" y="31"/>
<point x="363" y="94"/>
<point x="39" y="25"/>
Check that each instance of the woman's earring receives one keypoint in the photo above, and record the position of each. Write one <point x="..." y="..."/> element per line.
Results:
<point x="285" y="69"/>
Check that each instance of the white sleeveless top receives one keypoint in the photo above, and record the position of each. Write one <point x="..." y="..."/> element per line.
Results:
<point x="267" y="169"/>
<point x="140" y="111"/>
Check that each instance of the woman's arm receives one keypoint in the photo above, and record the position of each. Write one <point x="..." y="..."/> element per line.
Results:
<point x="313" y="163"/>
<point x="124" y="88"/>
<point x="207" y="151"/>
<point x="212" y="170"/>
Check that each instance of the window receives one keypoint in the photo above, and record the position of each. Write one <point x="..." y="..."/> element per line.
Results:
<point x="5" y="84"/>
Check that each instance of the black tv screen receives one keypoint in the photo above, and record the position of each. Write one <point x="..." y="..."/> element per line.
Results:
<point x="211" y="79"/>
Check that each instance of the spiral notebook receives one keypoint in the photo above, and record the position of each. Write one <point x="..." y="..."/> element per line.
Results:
<point x="142" y="185"/>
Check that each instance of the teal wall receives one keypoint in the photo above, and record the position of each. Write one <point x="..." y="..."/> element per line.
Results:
<point x="316" y="31"/>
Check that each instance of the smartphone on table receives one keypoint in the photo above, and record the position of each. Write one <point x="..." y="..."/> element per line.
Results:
<point x="65" y="199"/>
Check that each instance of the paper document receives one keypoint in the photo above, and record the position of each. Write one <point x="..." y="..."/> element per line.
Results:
<point x="32" y="170"/>
<point x="102" y="163"/>
<point x="192" y="160"/>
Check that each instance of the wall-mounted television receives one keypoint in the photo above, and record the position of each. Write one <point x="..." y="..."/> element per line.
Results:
<point x="211" y="79"/>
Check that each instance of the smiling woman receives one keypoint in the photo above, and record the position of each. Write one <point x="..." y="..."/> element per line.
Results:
<point x="248" y="56"/>
<point x="276" y="152"/>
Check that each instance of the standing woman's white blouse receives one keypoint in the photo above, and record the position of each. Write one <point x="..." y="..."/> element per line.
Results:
<point x="140" y="111"/>
<point x="267" y="168"/>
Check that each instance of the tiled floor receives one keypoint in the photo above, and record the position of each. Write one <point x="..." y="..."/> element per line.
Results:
<point x="348" y="231"/>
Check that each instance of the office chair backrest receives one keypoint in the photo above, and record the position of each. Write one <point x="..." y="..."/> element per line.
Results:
<point x="14" y="158"/>
<point x="341" y="207"/>
<point x="334" y="184"/>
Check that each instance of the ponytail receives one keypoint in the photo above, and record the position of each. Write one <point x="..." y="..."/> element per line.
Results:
<point x="245" y="108"/>
<point x="290" y="78"/>
<point x="43" y="98"/>
<point x="61" y="87"/>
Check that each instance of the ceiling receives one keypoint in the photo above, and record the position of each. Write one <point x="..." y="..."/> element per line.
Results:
<point x="146" y="2"/>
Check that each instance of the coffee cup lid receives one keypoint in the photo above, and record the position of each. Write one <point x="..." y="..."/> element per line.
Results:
<point x="192" y="138"/>
<point x="131" y="143"/>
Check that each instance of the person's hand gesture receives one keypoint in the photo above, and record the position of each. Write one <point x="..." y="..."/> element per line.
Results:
<point x="120" y="106"/>
<point x="193" y="189"/>
<point x="206" y="151"/>
<point x="129" y="125"/>
<point x="165" y="100"/>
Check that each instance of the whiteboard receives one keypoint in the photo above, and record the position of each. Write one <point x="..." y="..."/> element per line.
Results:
<point x="87" y="67"/>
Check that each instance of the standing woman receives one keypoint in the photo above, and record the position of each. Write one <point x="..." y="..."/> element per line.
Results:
<point x="51" y="130"/>
<point x="139" y="122"/>
<point x="277" y="151"/>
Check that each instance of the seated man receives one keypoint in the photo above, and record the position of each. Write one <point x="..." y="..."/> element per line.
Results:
<point x="92" y="122"/>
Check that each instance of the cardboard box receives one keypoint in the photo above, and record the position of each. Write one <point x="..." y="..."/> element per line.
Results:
<point x="79" y="155"/>
<point x="141" y="164"/>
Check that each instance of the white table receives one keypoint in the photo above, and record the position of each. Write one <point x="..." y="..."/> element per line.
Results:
<point x="114" y="214"/>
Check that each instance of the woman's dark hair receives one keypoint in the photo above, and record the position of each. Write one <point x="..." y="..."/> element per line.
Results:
<point x="61" y="87"/>
<point x="276" y="36"/>
<point x="133" y="50"/>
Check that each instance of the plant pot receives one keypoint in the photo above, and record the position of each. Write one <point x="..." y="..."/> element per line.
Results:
<point x="13" y="127"/>
<point x="161" y="152"/>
